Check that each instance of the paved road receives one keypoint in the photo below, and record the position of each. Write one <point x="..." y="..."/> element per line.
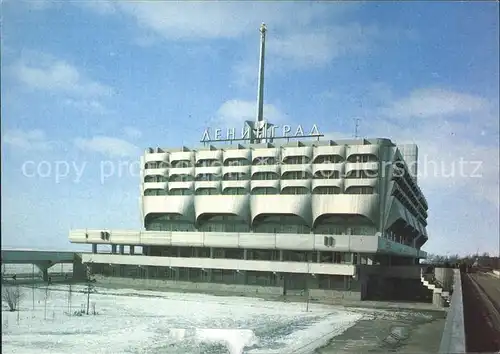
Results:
<point x="481" y="300"/>
<point x="491" y="287"/>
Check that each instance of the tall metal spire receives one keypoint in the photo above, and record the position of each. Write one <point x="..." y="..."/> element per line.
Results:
<point x="260" y="89"/>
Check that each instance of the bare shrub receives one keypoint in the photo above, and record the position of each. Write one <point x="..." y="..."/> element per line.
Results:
<point x="11" y="295"/>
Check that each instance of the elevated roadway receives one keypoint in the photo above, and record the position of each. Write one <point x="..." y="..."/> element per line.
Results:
<point x="482" y="312"/>
<point x="43" y="259"/>
<point x="473" y="320"/>
<point x="25" y="256"/>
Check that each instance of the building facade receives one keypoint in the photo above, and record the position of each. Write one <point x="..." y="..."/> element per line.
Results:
<point x="327" y="216"/>
<point x="332" y="217"/>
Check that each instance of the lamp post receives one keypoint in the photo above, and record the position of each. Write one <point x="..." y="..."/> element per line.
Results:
<point x="309" y="275"/>
<point x="33" y="286"/>
<point x="307" y="283"/>
<point x="17" y="297"/>
<point x="89" y="284"/>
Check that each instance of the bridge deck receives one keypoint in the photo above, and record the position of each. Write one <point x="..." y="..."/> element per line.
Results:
<point x="34" y="256"/>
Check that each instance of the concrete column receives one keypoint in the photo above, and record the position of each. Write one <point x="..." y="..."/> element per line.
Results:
<point x="94" y="248"/>
<point x="113" y="249"/>
<point x="281" y="278"/>
<point x="318" y="256"/>
<point x="437" y="300"/>
<point x="78" y="268"/>
<point x="122" y="249"/>
<point x="245" y="254"/>
<point x="195" y="252"/>
<point x="281" y="255"/>
<point x="132" y="249"/>
<point x="45" y="274"/>
<point x="211" y="252"/>
<point x="312" y="282"/>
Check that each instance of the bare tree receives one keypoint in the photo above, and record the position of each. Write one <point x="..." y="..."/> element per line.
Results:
<point x="11" y="295"/>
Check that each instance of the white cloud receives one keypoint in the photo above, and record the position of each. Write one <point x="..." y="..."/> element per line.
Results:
<point x="102" y="7"/>
<point x="315" y="43"/>
<point x="132" y="133"/>
<point x="435" y="102"/>
<point x="50" y="74"/>
<point x="88" y="106"/>
<point x="450" y="162"/>
<point x="208" y="20"/>
<point x="245" y="73"/>
<point x="28" y="140"/>
<point x="454" y="154"/>
<point x="314" y="47"/>
<point x="109" y="146"/>
<point x="300" y="34"/>
<point x="234" y="112"/>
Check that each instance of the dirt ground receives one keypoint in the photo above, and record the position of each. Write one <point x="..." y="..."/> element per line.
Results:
<point x="397" y="331"/>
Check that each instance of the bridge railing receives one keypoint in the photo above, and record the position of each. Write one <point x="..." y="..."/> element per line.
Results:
<point x="453" y="338"/>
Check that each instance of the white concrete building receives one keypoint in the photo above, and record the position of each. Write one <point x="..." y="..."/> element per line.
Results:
<point x="323" y="215"/>
<point x="328" y="208"/>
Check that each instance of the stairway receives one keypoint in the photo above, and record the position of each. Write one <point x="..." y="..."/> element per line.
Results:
<point x="437" y="290"/>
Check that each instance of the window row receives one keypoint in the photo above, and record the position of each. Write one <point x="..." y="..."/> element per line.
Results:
<point x="264" y="176"/>
<point x="263" y="227"/>
<point x="261" y="191"/>
<point x="289" y="160"/>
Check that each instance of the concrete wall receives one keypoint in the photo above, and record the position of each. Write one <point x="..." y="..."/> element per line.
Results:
<point x="215" y="288"/>
<point x="326" y="295"/>
<point x="218" y="263"/>
<point x="79" y="270"/>
<point x="453" y="339"/>
<point x="191" y="286"/>
<point x="404" y="272"/>
<point x="444" y="276"/>
<point x="316" y="242"/>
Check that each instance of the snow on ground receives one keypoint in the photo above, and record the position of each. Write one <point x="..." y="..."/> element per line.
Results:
<point x="131" y="321"/>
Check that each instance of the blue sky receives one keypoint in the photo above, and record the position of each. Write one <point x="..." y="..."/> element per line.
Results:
<point x="86" y="86"/>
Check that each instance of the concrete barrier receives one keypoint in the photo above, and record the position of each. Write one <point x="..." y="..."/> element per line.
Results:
<point x="453" y="338"/>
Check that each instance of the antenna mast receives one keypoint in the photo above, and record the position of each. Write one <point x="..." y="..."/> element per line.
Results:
<point x="356" y="127"/>
<point x="259" y="124"/>
<point x="260" y="88"/>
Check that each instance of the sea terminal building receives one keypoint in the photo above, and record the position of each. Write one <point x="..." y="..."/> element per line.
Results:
<point x="272" y="211"/>
<point x="323" y="215"/>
